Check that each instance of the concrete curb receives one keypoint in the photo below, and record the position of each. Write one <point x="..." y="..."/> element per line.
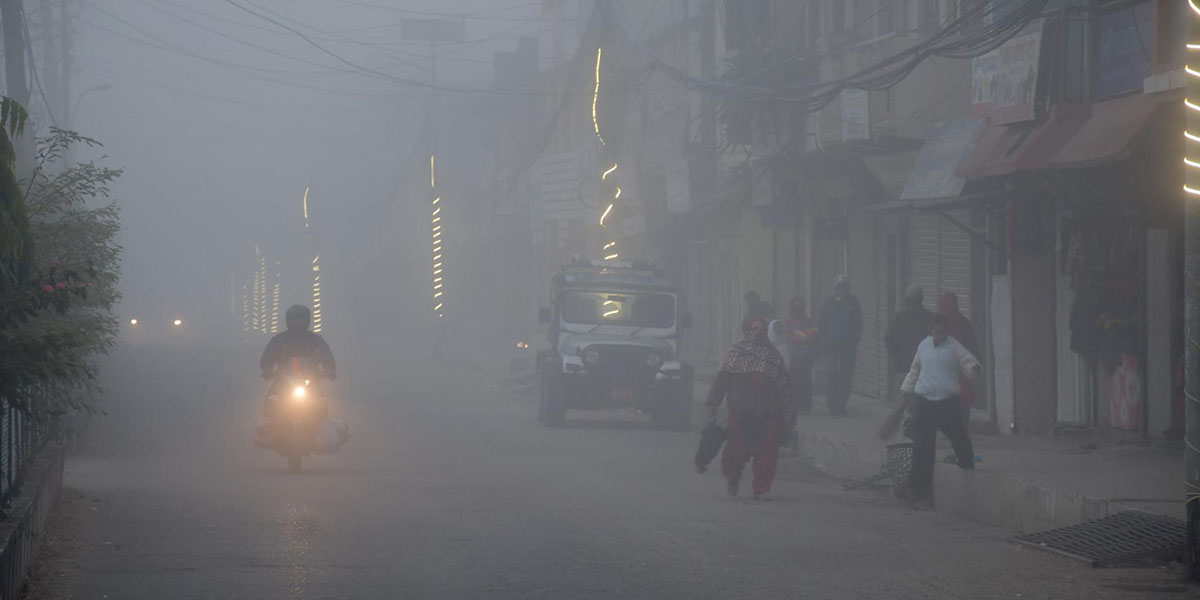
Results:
<point x="985" y="497"/>
<point x="21" y="532"/>
<point x="991" y="498"/>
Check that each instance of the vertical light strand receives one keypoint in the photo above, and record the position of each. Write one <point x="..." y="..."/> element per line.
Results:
<point x="436" y="231"/>
<point x="610" y="247"/>
<point x="264" y="324"/>
<point x="1191" y="229"/>
<point x="317" y="309"/>
<point x="246" y="322"/>
<point x="316" y="294"/>
<point x="275" y="289"/>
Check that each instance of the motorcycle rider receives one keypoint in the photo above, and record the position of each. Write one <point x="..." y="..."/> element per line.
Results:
<point x="296" y="342"/>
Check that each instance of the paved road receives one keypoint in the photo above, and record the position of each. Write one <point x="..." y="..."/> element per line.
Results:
<point x="450" y="489"/>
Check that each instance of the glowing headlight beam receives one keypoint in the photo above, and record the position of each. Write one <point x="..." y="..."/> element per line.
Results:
<point x="1191" y="190"/>
<point x="610" y="170"/>
<point x="611" y="313"/>
<point x="1191" y="136"/>
<point x="612" y="257"/>
<point x="1188" y="103"/>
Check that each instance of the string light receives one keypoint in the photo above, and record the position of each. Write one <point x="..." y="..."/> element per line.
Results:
<point x="275" y="301"/>
<point x="317" y="320"/>
<point x="435" y="222"/>
<point x="596" y="98"/>
<point x="613" y="169"/>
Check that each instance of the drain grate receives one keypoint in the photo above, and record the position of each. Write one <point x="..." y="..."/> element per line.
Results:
<point x="1125" y="538"/>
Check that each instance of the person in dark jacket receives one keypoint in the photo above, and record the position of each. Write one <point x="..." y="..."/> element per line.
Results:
<point x="296" y="342"/>
<point x="910" y="326"/>
<point x="840" y="328"/>
<point x="753" y="381"/>
<point x="800" y="346"/>
<point x="756" y="308"/>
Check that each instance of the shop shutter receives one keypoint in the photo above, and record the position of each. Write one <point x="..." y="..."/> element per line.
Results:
<point x="865" y="275"/>
<point x="924" y="255"/>
<point x="955" y="252"/>
<point x="940" y="257"/>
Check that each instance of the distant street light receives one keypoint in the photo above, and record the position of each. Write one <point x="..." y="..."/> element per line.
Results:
<point x="133" y="322"/>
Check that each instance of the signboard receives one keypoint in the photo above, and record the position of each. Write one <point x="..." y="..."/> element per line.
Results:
<point x="856" y="115"/>
<point x="433" y="30"/>
<point x="935" y="174"/>
<point x="1123" y="54"/>
<point x="1004" y="82"/>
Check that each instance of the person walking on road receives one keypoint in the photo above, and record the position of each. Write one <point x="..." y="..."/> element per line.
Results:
<point x="909" y="327"/>
<point x="840" y="328"/>
<point x="932" y="385"/>
<point x="753" y="381"/>
<point x="800" y="347"/>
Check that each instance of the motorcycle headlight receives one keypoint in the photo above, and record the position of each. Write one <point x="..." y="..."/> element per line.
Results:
<point x="591" y="357"/>
<point x="654" y="360"/>
<point x="299" y="393"/>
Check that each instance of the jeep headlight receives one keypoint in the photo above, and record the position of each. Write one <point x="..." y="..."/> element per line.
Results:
<point x="654" y="360"/>
<point x="591" y="357"/>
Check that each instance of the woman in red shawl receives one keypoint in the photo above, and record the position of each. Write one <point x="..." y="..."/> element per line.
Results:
<point x="963" y="331"/>
<point x="754" y="381"/>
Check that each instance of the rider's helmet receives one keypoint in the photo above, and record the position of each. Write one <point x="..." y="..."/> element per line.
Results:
<point x="297" y="317"/>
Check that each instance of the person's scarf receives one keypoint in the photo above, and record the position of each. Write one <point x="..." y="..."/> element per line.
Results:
<point x="755" y="354"/>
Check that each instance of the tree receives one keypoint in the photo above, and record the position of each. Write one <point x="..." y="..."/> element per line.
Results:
<point x="56" y="303"/>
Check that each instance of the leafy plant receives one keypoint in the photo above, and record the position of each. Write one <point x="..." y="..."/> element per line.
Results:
<point x="56" y="311"/>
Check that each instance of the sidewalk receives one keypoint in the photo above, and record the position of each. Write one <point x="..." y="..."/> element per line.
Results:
<point x="1024" y="484"/>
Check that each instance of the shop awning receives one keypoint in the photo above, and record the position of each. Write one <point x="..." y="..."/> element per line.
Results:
<point x="934" y="173"/>
<point x="1111" y="130"/>
<point x="892" y="169"/>
<point x="1005" y="149"/>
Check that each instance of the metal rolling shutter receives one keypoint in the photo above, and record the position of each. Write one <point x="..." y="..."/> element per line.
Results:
<point x="865" y="270"/>
<point x="955" y="250"/>
<point x="923" y="254"/>
<point x="940" y="257"/>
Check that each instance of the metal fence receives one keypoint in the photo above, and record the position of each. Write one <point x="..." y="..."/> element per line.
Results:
<point x="20" y="436"/>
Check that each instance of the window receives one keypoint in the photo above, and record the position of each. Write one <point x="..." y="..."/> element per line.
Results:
<point x="812" y="24"/>
<point x="862" y="24"/>
<point x="1075" y="49"/>
<point x="890" y="17"/>
<point x="622" y="309"/>
<point x="930" y="15"/>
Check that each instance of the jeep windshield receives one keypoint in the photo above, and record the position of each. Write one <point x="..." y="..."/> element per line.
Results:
<point x="627" y="309"/>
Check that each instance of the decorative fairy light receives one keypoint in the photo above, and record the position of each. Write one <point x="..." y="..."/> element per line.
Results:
<point x="436" y="231"/>
<point x="316" y="272"/>
<point x="275" y="288"/>
<point x="1192" y="138"/>
<point x="610" y="248"/>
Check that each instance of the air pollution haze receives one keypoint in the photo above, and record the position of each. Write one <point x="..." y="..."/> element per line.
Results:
<point x="598" y="299"/>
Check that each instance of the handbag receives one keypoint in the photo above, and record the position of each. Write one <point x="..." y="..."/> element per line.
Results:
<point x="711" y="439"/>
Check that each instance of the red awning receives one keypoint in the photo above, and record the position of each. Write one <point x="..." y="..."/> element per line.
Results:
<point x="1111" y="130"/>
<point x="1005" y="149"/>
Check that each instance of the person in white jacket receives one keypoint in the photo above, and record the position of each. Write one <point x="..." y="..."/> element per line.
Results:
<point x="932" y="387"/>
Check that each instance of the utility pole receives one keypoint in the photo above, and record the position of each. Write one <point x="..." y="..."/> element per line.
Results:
<point x="13" y="21"/>
<point x="64" y="75"/>
<point x="1191" y="384"/>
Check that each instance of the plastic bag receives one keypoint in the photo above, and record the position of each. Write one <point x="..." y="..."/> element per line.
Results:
<point x="332" y="436"/>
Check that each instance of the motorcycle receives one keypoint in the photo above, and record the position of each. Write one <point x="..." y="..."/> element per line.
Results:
<point x="296" y="411"/>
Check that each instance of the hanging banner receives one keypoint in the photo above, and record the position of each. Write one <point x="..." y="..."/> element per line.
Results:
<point x="1004" y="82"/>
